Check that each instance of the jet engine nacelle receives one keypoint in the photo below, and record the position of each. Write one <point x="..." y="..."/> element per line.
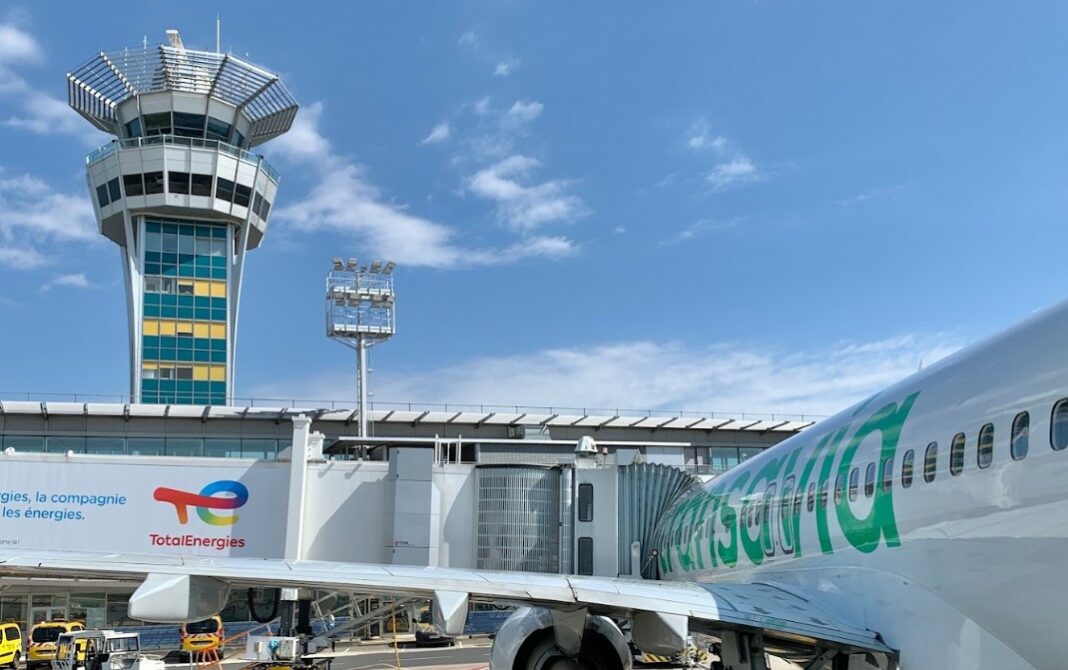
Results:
<point x="528" y="641"/>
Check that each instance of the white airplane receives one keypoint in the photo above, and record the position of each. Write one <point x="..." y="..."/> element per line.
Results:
<point x="924" y="528"/>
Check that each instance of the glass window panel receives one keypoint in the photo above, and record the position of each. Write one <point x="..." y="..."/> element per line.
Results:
<point x="222" y="447"/>
<point x="956" y="454"/>
<point x="1058" y="427"/>
<point x="188" y="125"/>
<point x="132" y="184"/>
<point x="178" y="182"/>
<point x="185" y="446"/>
<point x="242" y="195"/>
<point x="745" y="453"/>
<point x="224" y="189"/>
<point x="984" y="454"/>
<point x="187" y="245"/>
<point x="723" y="458"/>
<point x="158" y="124"/>
<point x="102" y="197"/>
<point x="201" y="184"/>
<point x="585" y="556"/>
<point x="133" y="128"/>
<point x="239" y="139"/>
<point x="61" y="444"/>
<point x="265" y="209"/>
<point x="262" y="449"/>
<point x="114" y="190"/>
<point x="145" y="446"/>
<point x="585" y="502"/>
<point x="153" y="183"/>
<point x="1021" y="428"/>
<point x="218" y="130"/>
<point x="24" y="442"/>
<point x="105" y="445"/>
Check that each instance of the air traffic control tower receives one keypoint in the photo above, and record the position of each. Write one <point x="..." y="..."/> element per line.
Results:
<point x="180" y="192"/>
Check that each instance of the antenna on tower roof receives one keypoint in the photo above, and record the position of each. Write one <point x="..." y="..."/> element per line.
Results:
<point x="218" y="34"/>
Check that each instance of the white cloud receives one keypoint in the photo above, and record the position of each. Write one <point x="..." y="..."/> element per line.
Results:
<point x="40" y="113"/>
<point x="738" y="170"/>
<point x="343" y="200"/>
<point x="438" y="134"/>
<point x="728" y="378"/>
<point x="33" y="213"/>
<point x="700" y="138"/>
<point x="505" y="67"/>
<point x="698" y="229"/>
<point x="30" y="207"/>
<point x="17" y="46"/>
<point x="469" y="40"/>
<point x="525" y="207"/>
<point x="525" y="111"/>
<point x="78" y="280"/>
<point x="873" y="194"/>
<point x="21" y="258"/>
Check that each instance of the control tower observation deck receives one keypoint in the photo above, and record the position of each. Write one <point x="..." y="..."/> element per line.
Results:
<point x="180" y="192"/>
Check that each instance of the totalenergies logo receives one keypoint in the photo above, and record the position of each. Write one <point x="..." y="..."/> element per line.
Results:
<point x="221" y="495"/>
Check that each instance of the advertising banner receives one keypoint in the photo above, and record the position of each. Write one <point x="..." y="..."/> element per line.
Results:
<point x="144" y="506"/>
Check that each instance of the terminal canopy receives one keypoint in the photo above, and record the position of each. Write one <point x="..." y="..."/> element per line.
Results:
<point x="97" y="88"/>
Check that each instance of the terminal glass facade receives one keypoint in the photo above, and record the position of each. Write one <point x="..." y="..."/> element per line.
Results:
<point x="184" y="345"/>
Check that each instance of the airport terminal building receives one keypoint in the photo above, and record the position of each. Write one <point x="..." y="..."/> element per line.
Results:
<point x="183" y="468"/>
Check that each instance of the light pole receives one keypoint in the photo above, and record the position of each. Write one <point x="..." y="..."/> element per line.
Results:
<point x="360" y="313"/>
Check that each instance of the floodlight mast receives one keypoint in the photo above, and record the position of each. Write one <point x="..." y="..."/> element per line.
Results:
<point x="360" y="313"/>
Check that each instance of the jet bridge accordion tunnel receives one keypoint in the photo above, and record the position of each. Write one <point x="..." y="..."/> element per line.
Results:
<point x="573" y="519"/>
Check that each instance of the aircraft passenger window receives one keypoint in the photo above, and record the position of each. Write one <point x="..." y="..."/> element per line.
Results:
<point x="869" y="480"/>
<point x="798" y="495"/>
<point x="956" y="455"/>
<point x="787" y="499"/>
<point x="854" y="484"/>
<point x="906" y="468"/>
<point x="888" y="473"/>
<point x="1058" y="425"/>
<point x="930" y="462"/>
<point x="984" y="454"/>
<point x="839" y="488"/>
<point x="811" y="497"/>
<point x="823" y="494"/>
<point x="1021" y="428"/>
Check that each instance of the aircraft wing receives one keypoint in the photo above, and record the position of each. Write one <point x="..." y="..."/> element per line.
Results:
<point x="749" y="607"/>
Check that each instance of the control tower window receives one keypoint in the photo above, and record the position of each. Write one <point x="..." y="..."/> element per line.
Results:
<point x="158" y="124"/>
<point x="179" y="182"/>
<point x="242" y="195"/>
<point x="202" y="185"/>
<point x="153" y="183"/>
<point x="218" y="130"/>
<point x="224" y="189"/>
<point x="133" y="128"/>
<point x="239" y="139"/>
<point x="133" y="185"/>
<point x="189" y="125"/>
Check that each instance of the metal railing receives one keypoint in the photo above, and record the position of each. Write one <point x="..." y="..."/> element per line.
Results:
<point x="178" y="140"/>
<point x="337" y="405"/>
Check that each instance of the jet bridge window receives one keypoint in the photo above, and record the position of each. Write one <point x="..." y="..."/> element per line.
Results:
<point x="854" y="484"/>
<point x="956" y="455"/>
<point x="869" y="480"/>
<point x="984" y="454"/>
<point x="585" y="502"/>
<point x="1021" y="428"/>
<point x="1058" y="425"/>
<point x="585" y="555"/>
<point x="906" y="468"/>
<point x="930" y="462"/>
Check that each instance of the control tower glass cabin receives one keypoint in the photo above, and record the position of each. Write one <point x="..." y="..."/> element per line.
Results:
<point x="183" y="196"/>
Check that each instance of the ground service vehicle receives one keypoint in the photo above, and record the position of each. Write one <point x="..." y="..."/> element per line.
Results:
<point x="102" y="650"/>
<point x="202" y="636"/>
<point x="10" y="644"/>
<point x="41" y="647"/>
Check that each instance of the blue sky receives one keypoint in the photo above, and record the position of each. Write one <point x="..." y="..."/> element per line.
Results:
<point x="733" y="206"/>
